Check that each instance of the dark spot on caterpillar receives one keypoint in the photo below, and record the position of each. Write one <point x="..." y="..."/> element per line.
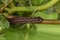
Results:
<point x="21" y="20"/>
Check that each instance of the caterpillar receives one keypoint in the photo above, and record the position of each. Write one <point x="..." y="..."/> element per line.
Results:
<point x="19" y="20"/>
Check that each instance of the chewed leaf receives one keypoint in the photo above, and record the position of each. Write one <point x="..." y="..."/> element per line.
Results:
<point x="3" y="22"/>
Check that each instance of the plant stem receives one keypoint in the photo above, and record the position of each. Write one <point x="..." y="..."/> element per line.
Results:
<point x="31" y="8"/>
<point x="26" y="37"/>
<point x="51" y="22"/>
<point x="28" y="26"/>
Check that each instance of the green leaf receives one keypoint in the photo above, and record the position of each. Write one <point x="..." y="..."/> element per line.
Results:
<point x="44" y="15"/>
<point x="5" y="1"/>
<point x="43" y="32"/>
<point x="40" y="14"/>
<point x="1" y="4"/>
<point x="14" y="34"/>
<point x="3" y="22"/>
<point x="2" y="38"/>
<point x="37" y="2"/>
<point x="53" y="15"/>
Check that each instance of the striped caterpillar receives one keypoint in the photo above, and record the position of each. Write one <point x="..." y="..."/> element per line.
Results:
<point x="19" y="20"/>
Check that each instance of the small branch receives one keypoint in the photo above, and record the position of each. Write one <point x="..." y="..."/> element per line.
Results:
<point x="5" y="6"/>
<point x="31" y="8"/>
<point x="57" y="8"/>
<point x="51" y="22"/>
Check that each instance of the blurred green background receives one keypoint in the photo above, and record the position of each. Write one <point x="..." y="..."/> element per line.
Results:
<point x="43" y="32"/>
<point x="37" y="31"/>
